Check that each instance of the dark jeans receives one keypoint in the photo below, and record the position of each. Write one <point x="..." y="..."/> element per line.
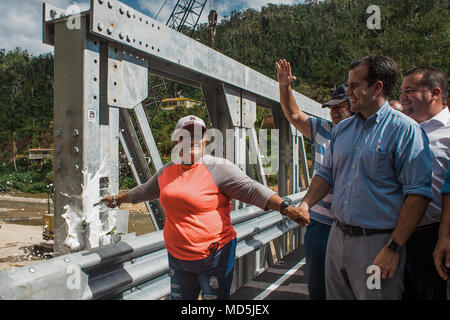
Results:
<point x="422" y="281"/>
<point x="212" y="276"/>
<point x="316" y="240"/>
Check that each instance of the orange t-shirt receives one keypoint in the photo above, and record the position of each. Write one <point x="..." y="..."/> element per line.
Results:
<point x="197" y="202"/>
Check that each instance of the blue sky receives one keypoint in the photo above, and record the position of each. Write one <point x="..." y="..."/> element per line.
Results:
<point x="21" y="22"/>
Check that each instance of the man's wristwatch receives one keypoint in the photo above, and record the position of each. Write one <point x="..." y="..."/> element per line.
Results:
<point x="394" y="246"/>
<point x="286" y="203"/>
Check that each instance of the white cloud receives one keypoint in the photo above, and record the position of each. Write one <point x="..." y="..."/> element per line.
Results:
<point x="155" y="7"/>
<point x="223" y="7"/>
<point x="21" y="24"/>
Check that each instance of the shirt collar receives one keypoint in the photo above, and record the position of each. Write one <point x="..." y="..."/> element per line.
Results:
<point x="379" y="115"/>
<point x="442" y="118"/>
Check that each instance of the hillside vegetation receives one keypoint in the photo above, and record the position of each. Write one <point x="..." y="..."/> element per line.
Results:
<point x="319" y="38"/>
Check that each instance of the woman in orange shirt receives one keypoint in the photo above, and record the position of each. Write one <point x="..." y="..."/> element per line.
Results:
<point x="196" y="194"/>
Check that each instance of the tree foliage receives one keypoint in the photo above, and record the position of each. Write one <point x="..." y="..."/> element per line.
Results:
<point x="319" y="38"/>
<point x="26" y="101"/>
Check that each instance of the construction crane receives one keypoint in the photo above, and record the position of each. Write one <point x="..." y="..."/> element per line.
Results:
<point x="186" y="14"/>
<point x="184" y="18"/>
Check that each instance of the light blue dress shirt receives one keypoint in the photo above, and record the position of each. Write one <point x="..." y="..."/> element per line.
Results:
<point x="373" y="165"/>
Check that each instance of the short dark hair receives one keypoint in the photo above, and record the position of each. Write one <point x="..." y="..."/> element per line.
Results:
<point x="432" y="78"/>
<point x="380" y="68"/>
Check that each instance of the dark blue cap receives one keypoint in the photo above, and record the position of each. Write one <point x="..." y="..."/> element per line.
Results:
<point x="338" y="96"/>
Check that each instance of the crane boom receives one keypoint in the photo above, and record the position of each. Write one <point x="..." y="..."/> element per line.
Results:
<point x="186" y="14"/>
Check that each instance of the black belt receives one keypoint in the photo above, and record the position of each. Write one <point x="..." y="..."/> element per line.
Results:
<point x="434" y="225"/>
<point x="355" y="231"/>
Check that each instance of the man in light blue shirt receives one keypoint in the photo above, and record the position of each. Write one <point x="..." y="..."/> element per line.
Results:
<point x="317" y="131"/>
<point x="379" y="164"/>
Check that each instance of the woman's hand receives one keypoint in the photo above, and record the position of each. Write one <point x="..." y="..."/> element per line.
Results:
<point x="110" y="201"/>
<point x="116" y="200"/>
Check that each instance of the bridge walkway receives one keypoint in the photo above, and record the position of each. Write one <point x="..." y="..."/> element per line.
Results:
<point x="285" y="280"/>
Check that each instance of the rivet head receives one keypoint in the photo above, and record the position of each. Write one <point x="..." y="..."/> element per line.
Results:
<point x="66" y="260"/>
<point x="75" y="132"/>
<point x="110" y="29"/>
<point x="100" y="1"/>
<point x="121" y="10"/>
<point x="76" y="149"/>
<point x="32" y="270"/>
<point x="77" y="168"/>
<point x="121" y="36"/>
<point x="100" y="26"/>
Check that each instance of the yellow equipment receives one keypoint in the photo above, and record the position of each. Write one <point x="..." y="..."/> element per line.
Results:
<point x="49" y="226"/>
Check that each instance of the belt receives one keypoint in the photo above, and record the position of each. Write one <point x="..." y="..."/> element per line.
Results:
<point x="356" y="231"/>
<point x="434" y="225"/>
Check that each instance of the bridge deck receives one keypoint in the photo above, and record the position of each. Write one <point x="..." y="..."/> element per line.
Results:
<point x="286" y="280"/>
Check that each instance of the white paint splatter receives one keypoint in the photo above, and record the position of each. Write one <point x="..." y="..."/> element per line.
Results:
<point x="88" y="228"/>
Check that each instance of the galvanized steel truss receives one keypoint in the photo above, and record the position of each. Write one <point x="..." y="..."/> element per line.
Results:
<point x="101" y="74"/>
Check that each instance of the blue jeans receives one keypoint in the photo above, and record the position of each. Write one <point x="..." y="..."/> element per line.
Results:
<point x="212" y="276"/>
<point x="316" y="240"/>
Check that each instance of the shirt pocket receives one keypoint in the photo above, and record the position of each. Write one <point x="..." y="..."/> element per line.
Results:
<point x="377" y="165"/>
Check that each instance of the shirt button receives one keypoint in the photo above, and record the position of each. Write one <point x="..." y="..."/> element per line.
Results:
<point x="357" y="148"/>
<point x="353" y="166"/>
<point x="346" y="202"/>
<point x="349" y="184"/>
<point x="364" y="131"/>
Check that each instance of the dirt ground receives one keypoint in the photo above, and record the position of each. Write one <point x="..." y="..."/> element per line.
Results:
<point x="21" y="241"/>
<point x="16" y="243"/>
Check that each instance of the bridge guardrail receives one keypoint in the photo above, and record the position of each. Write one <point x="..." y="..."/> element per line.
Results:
<point x="131" y="269"/>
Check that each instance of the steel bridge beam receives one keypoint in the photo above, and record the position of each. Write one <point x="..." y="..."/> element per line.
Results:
<point x="101" y="70"/>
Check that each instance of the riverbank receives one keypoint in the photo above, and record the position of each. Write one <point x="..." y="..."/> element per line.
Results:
<point x="21" y="227"/>
<point x="24" y="199"/>
<point x="16" y="245"/>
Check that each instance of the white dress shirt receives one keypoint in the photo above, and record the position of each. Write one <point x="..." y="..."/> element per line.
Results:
<point x="438" y="131"/>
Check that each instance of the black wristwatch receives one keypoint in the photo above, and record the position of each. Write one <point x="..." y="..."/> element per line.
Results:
<point x="394" y="246"/>
<point x="286" y="203"/>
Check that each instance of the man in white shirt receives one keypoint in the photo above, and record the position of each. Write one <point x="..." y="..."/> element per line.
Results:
<point x="424" y="95"/>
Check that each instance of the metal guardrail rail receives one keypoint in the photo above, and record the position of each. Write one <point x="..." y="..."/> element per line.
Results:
<point x="138" y="268"/>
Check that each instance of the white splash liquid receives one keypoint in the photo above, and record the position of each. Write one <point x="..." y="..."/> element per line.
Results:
<point x="88" y="228"/>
